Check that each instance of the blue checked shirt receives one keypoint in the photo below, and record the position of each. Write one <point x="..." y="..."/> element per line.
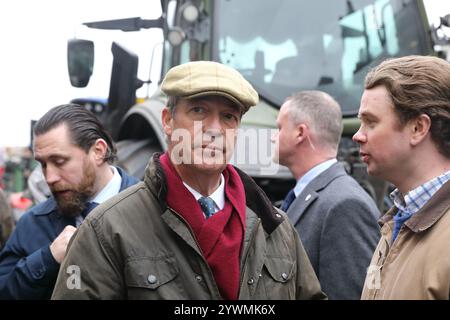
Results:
<point x="414" y="200"/>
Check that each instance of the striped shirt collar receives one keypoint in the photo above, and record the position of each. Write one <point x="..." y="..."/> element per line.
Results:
<point x="415" y="199"/>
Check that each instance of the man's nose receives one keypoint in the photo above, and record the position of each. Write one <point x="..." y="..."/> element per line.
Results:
<point x="359" y="137"/>
<point x="213" y="127"/>
<point x="213" y="123"/>
<point x="51" y="175"/>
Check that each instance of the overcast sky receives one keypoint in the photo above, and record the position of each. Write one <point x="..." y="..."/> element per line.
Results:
<point x="33" y="40"/>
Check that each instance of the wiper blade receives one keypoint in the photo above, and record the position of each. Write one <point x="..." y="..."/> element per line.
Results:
<point x="128" y="24"/>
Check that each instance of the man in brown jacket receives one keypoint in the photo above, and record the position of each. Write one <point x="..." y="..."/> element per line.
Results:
<point x="196" y="227"/>
<point x="405" y="138"/>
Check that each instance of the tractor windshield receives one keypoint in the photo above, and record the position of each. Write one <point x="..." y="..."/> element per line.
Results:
<point x="285" y="46"/>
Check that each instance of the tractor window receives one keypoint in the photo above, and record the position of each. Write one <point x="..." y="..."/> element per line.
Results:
<point x="259" y="67"/>
<point x="286" y="46"/>
<point x="366" y="34"/>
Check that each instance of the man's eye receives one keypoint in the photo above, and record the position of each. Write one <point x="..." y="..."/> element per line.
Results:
<point x="370" y="123"/>
<point x="367" y="122"/>
<point x="198" y="109"/>
<point x="230" y="116"/>
<point x="60" y="162"/>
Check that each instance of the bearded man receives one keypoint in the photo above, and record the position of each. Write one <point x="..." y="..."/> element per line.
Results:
<point x="76" y="154"/>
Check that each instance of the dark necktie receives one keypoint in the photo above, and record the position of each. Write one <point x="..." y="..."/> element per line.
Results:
<point x="207" y="205"/>
<point x="290" y="197"/>
<point x="89" y="207"/>
<point x="399" y="220"/>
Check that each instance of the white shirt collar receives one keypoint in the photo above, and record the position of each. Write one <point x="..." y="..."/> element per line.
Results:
<point x="218" y="196"/>
<point x="111" y="189"/>
<point x="311" y="174"/>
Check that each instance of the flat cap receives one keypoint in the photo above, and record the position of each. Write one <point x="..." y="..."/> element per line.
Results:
<point x="206" y="78"/>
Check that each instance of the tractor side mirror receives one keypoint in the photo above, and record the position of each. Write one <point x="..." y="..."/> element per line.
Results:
<point x="80" y="61"/>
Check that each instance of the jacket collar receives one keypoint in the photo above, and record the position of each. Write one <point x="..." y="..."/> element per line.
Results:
<point x="324" y="179"/>
<point x="256" y="199"/>
<point x="311" y="192"/>
<point x="45" y="208"/>
<point x="127" y="180"/>
<point x="428" y="215"/>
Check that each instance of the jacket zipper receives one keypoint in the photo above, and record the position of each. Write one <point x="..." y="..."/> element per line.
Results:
<point x="211" y="275"/>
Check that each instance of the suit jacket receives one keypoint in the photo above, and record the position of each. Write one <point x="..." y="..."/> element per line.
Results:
<point x="337" y="223"/>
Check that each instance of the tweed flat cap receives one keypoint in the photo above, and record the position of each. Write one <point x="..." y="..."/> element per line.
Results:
<point x="205" y="78"/>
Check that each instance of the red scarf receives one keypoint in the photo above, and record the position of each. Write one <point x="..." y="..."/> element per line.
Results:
<point x="220" y="237"/>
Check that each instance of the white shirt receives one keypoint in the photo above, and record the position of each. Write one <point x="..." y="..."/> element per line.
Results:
<point x="217" y="196"/>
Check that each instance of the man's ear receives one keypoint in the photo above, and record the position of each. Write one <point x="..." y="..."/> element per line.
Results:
<point x="419" y="128"/>
<point x="99" y="149"/>
<point x="301" y="131"/>
<point x="166" y="118"/>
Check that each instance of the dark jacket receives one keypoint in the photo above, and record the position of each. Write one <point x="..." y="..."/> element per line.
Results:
<point x="337" y="223"/>
<point x="27" y="267"/>
<point x="135" y="247"/>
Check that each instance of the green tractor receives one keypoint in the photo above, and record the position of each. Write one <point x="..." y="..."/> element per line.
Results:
<point x="281" y="47"/>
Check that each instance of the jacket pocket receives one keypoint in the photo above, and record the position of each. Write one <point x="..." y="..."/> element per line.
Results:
<point x="278" y="280"/>
<point x="280" y="269"/>
<point x="150" y="272"/>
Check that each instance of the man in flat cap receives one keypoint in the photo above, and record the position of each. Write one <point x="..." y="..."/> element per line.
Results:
<point x="196" y="227"/>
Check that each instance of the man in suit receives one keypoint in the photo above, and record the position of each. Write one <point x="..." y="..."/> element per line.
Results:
<point x="76" y="153"/>
<point x="335" y="218"/>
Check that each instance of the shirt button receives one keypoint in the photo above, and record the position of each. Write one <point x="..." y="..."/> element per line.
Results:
<point x="278" y="215"/>
<point x="151" y="279"/>
<point x="284" y="276"/>
<point x="198" y="278"/>
<point x="250" y="281"/>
